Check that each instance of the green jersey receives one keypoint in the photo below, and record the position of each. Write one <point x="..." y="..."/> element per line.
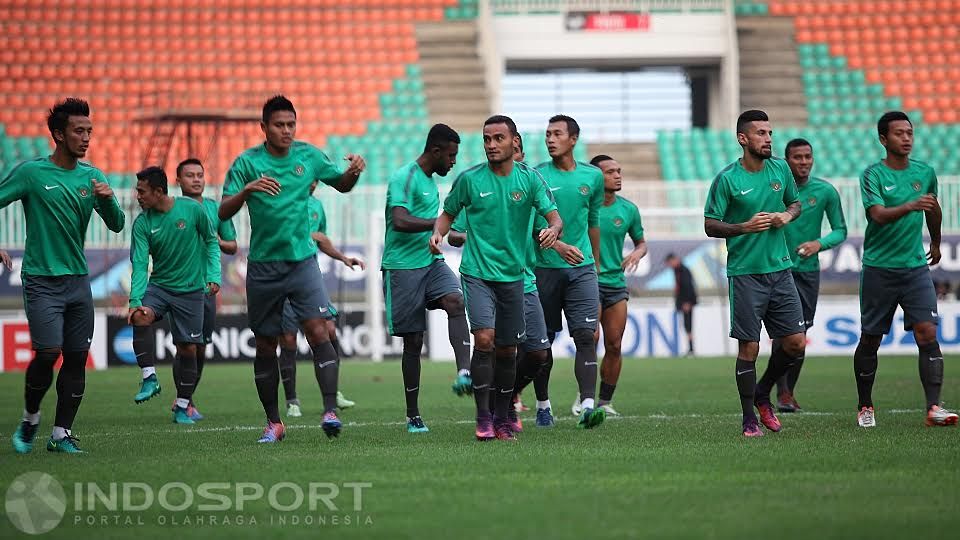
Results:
<point x="817" y="198"/>
<point x="736" y="194"/>
<point x="616" y="222"/>
<point x="496" y="251"/>
<point x="57" y="204"/>
<point x="529" y="277"/>
<point x="409" y="188"/>
<point x="183" y="244"/>
<point x="579" y="196"/>
<point x="224" y="229"/>
<point x="898" y="244"/>
<point x="317" y="217"/>
<point x="276" y="231"/>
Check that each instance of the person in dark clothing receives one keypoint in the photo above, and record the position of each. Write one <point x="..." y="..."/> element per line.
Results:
<point x="685" y="296"/>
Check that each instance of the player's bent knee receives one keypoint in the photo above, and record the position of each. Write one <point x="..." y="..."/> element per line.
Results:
<point x="483" y="339"/>
<point x="453" y="305"/>
<point x="612" y="347"/>
<point x="267" y="345"/>
<point x="748" y="350"/>
<point x="582" y="337"/>
<point x="870" y="343"/>
<point x="538" y="357"/>
<point x="795" y="345"/>
<point x="187" y="349"/>
<point x="288" y="341"/>
<point x="413" y="341"/>
<point x="925" y="333"/>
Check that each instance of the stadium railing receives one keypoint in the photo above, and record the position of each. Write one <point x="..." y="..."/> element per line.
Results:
<point x="669" y="209"/>
<point x="525" y="7"/>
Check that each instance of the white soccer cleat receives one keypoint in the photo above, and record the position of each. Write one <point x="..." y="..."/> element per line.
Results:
<point x="342" y="402"/>
<point x="293" y="411"/>
<point x="865" y="418"/>
<point x="576" y="408"/>
<point x="938" y="416"/>
<point x="609" y="410"/>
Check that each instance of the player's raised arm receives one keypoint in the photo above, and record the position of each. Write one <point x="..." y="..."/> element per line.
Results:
<point x="106" y="205"/>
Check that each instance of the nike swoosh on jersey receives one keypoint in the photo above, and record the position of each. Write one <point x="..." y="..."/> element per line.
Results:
<point x="154" y="231"/>
<point x="889" y="188"/>
<point x="554" y="188"/>
<point x="48" y="188"/>
<point x="482" y="194"/>
<point x="747" y="191"/>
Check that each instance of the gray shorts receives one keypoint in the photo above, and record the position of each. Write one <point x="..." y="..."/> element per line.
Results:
<point x="497" y="305"/>
<point x="59" y="311"/>
<point x="289" y="323"/>
<point x="883" y="289"/>
<point x="612" y="295"/>
<point x="808" y="287"/>
<point x="536" y="327"/>
<point x="574" y="291"/>
<point x="184" y="309"/>
<point x="269" y="284"/>
<point x="209" y="317"/>
<point x="771" y="298"/>
<point x="410" y="293"/>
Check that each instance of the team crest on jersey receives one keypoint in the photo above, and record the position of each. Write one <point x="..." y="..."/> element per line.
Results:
<point x="776" y="185"/>
<point x="617" y="222"/>
<point x="299" y="170"/>
<point x="84" y="192"/>
<point x="516" y="196"/>
<point x="812" y="201"/>
<point x="916" y="186"/>
<point x="181" y="224"/>
<point x="584" y="190"/>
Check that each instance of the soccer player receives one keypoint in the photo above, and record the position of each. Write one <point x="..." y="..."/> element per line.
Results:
<point x="684" y="295"/>
<point x="496" y="196"/>
<point x="273" y="180"/>
<point x="59" y="193"/>
<point x="899" y="193"/>
<point x="749" y="203"/>
<point x="532" y="353"/>
<point x="567" y="282"/>
<point x="804" y="242"/>
<point x="179" y="236"/>
<point x="288" y="340"/>
<point x="416" y="279"/>
<point x="618" y="218"/>
<point x="191" y="179"/>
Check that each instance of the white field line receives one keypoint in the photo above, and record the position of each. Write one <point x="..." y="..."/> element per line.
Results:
<point x="530" y="420"/>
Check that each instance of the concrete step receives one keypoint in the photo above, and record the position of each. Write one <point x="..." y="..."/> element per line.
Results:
<point x="448" y="31"/>
<point x="752" y="70"/>
<point x="459" y="50"/>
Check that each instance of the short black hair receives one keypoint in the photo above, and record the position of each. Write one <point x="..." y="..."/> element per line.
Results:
<point x="597" y="160"/>
<point x="277" y="103"/>
<point x="883" y="126"/>
<point x="670" y="255"/>
<point x="501" y="119"/>
<point x="573" y="128"/>
<point x="154" y="176"/>
<point x="441" y="135"/>
<point x="59" y="115"/>
<point x="795" y="143"/>
<point x="188" y="161"/>
<point x="520" y="142"/>
<point x="746" y="117"/>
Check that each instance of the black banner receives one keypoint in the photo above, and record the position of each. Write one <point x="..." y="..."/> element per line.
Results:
<point x="233" y="341"/>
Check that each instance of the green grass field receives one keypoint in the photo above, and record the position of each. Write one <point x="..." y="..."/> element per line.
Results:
<point x="675" y="465"/>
